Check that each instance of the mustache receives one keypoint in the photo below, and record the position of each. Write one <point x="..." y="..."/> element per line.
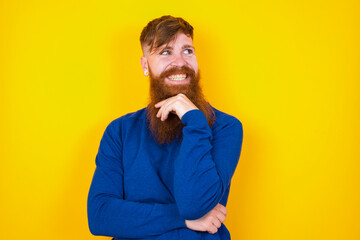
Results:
<point x="178" y="70"/>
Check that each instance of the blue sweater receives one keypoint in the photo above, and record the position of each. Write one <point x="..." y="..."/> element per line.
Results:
<point x="143" y="190"/>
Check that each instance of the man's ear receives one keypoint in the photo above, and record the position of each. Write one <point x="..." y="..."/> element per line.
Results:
<point x="144" y="65"/>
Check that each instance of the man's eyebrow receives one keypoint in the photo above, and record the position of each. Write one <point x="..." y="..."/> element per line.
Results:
<point x="188" y="46"/>
<point x="166" y="48"/>
<point x="161" y="49"/>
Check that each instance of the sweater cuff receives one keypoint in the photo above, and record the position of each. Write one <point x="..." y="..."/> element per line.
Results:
<point x="171" y="211"/>
<point x="195" y="118"/>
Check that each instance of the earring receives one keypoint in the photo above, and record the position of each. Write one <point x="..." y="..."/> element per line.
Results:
<point x="146" y="72"/>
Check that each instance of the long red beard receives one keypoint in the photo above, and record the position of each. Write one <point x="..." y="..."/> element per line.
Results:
<point x="170" y="129"/>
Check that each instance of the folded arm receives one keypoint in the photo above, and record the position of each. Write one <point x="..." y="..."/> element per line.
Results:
<point x="108" y="213"/>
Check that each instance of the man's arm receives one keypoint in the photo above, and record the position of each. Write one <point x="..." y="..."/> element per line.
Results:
<point x="207" y="158"/>
<point x="108" y="213"/>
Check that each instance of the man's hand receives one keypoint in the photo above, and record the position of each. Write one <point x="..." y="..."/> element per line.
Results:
<point x="178" y="104"/>
<point x="209" y="222"/>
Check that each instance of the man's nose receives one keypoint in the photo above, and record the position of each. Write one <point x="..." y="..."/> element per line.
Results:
<point x="178" y="60"/>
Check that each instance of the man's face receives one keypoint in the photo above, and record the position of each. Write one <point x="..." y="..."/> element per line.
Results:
<point x="168" y="60"/>
<point x="173" y="69"/>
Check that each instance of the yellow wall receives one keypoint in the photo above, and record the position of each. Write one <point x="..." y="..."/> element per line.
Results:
<point x="289" y="70"/>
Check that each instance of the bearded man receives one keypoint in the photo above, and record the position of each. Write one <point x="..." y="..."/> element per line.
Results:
<point x="164" y="172"/>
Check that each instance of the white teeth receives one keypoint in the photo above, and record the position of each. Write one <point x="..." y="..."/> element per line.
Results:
<point x="177" y="77"/>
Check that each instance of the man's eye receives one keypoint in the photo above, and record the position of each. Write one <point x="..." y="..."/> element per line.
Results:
<point x="188" y="51"/>
<point x="166" y="52"/>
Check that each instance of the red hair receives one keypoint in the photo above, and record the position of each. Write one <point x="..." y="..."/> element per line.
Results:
<point x="163" y="30"/>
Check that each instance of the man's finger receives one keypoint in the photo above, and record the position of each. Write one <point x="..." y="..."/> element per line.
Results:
<point x="217" y="223"/>
<point x="165" y="109"/>
<point x="166" y="113"/>
<point x="221" y="208"/>
<point x="212" y="229"/>
<point x="221" y="217"/>
<point x="159" y="104"/>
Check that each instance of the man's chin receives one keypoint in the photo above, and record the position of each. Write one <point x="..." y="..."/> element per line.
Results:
<point x="174" y="89"/>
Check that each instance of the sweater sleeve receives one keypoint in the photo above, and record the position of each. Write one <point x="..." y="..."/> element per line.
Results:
<point x="206" y="163"/>
<point x="109" y="214"/>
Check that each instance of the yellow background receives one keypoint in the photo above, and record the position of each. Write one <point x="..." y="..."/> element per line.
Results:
<point x="289" y="70"/>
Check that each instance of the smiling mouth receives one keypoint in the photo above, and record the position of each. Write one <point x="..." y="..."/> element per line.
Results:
<point x="177" y="77"/>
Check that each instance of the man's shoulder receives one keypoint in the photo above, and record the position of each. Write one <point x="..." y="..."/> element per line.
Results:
<point x="226" y="124"/>
<point x="134" y="116"/>
<point x="129" y="118"/>
<point x="222" y="118"/>
<point x="139" y="114"/>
